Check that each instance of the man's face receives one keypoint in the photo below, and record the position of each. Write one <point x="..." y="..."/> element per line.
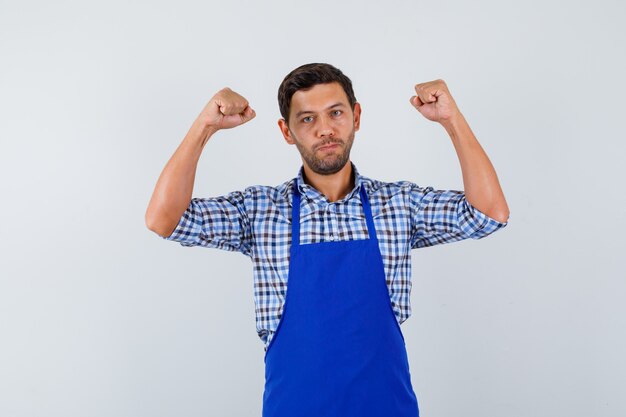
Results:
<point x="322" y="125"/>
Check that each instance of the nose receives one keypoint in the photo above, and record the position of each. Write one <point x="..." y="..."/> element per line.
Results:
<point x="325" y="128"/>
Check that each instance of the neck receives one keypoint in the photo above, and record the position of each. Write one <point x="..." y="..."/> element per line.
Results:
<point x="334" y="186"/>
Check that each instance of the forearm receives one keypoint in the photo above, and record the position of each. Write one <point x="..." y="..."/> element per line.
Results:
<point x="174" y="188"/>
<point x="482" y="188"/>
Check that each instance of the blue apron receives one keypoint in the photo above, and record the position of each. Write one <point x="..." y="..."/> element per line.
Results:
<point x="338" y="350"/>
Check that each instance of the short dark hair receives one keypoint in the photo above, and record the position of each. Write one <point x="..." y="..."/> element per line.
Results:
<point x="305" y="77"/>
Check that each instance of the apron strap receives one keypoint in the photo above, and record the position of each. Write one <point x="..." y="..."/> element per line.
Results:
<point x="371" y="230"/>
<point x="295" y="215"/>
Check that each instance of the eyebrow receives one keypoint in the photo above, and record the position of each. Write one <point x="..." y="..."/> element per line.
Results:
<point x="300" y="113"/>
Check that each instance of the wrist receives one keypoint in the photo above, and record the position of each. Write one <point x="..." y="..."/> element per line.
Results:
<point x="204" y="125"/>
<point x="454" y="124"/>
<point x="202" y="131"/>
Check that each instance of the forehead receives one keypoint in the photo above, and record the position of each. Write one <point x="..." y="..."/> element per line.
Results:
<point x="318" y="97"/>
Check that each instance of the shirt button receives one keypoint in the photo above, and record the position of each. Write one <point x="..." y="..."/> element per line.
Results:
<point x="332" y="237"/>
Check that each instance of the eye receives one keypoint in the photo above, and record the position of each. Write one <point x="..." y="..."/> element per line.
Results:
<point x="307" y="119"/>
<point x="337" y="112"/>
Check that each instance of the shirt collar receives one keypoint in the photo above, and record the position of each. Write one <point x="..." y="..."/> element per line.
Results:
<point x="313" y="193"/>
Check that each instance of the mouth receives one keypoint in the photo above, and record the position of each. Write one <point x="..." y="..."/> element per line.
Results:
<point x="328" y="147"/>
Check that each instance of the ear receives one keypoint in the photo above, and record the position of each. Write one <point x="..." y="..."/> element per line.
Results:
<point x="284" y="129"/>
<point x="357" y="116"/>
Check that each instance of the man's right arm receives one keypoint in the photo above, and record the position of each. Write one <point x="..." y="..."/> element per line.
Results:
<point x="173" y="191"/>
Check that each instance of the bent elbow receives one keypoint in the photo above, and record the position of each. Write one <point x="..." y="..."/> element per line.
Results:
<point x="159" y="226"/>
<point x="502" y="217"/>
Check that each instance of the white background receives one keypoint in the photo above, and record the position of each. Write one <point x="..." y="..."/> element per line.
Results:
<point x="101" y="317"/>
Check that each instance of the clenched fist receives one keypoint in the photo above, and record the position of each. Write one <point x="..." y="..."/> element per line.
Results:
<point x="434" y="101"/>
<point x="226" y="110"/>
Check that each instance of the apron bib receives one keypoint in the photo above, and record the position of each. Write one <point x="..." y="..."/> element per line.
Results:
<point x="338" y="350"/>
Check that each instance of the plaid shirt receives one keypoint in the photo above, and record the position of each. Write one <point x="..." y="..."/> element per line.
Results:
<point x="257" y="223"/>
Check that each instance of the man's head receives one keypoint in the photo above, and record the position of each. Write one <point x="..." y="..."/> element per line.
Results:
<point x="319" y="108"/>
<point x="305" y="77"/>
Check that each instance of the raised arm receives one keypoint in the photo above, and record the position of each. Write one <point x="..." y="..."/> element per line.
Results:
<point x="482" y="188"/>
<point x="174" y="188"/>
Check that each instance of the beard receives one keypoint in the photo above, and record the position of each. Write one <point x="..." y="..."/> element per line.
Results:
<point x="327" y="164"/>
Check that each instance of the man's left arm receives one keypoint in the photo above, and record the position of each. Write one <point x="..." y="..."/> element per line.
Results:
<point x="482" y="188"/>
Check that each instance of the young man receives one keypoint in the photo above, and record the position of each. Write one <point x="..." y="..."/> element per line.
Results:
<point x="331" y="248"/>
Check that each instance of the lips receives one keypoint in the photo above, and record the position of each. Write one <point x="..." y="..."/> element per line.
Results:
<point x="328" y="147"/>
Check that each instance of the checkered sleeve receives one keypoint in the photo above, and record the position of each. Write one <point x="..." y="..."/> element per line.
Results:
<point x="444" y="216"/>
<point x="217" y="222"/>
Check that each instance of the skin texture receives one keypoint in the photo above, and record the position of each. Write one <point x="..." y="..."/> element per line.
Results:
<point x="321" y="116"/>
